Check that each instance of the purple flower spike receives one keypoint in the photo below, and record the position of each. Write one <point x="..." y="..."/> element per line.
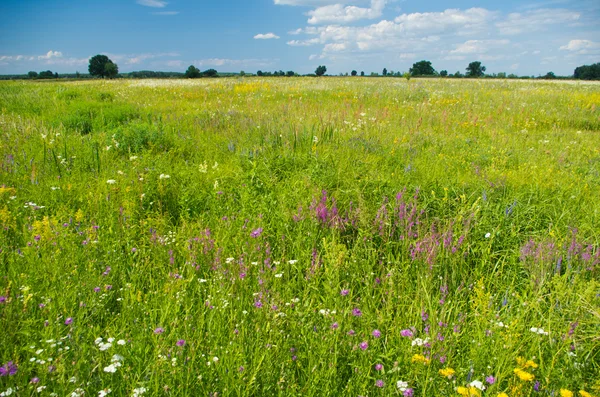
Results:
<point x="345" y="292"/>
<point x="180" y="342"/>
<point x="356" y="312"/>
<point x="8" y="369"/>
<point x="256" y="232"/>
<point x="2" y="299"/>
<point x="364" y="345"/>
<point x="69" y="321"/>
<point x="159" y="330"/>
<point x="408" y="393"/>
<point x="490" y="380"/>
<point x="407" y="333"/>
<point x="376" y="333"/>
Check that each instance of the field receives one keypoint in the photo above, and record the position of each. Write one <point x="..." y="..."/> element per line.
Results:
<point x="300" y="237"/>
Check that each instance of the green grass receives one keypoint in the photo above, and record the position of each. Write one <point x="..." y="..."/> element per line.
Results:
<point x="232" y="213"/>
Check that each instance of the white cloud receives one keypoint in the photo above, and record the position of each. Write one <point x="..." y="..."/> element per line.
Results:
<point x="582" y="47"/>
<point x="235" y="62"/>
<point x="266" y="36"/>
<point x="536" y="20"/>
<point x="478" y="46"/>
<point x="296" y="32"/>
<point x="450" y="19"/>
<point x="139" y="58"/>
<point x="166" y="13"/>
<point x="50" y="54"/>
<point x="337" y="13"/>
<point x="312" y="3"/>
<point x="303" y="43"/>
<point x="152" y="3"/>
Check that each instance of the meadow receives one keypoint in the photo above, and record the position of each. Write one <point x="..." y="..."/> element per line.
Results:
<point x="300" y="237"/>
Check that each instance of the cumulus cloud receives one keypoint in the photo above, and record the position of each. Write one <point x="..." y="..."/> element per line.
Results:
<point x="152" y="3"/>
<point x="139" y="58"/>
<point x="582" y="47"/>
<point x="266" y="36"/>
<point x="235" y="62"/>
<point x="337" y="13"/>
<point x="50" y="54"/>
<point x="478" y="46"/>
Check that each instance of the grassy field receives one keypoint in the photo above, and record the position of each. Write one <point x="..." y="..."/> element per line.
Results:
<point x="301" y="237"/>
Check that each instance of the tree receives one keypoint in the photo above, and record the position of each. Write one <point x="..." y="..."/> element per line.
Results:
<point x="210" y="73"/>
<point x="422" y="68"/>
<point x="32" y="75"/>
<point x="111" y="70"/>
<point x="55" y="75"/>
<point x="46" y="74"/>
<point x="321" y="69"/>
<point x="242" y="73"/>
<point x="443" y="73"/>
<point x="354" y="73"/>
<point x="362" y="74"/>
<point x="458" y="74"/>
<point x="588" y="72"/>
<point x="549" y="76"/>
<point x="259" y="73"/>
<point x="475" y="69"/>
<point x="192" y="72"/>
<point x="384" y="72"/>
<point x="98" y="66"/>
<point x="290" y="73"/>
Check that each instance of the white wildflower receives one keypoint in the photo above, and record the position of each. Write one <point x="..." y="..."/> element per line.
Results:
<point x="164" y="176"/>
<point x="111" y="181"/>
<point x="478" y="384"/>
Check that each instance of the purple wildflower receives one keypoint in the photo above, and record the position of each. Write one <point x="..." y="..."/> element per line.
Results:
<point x="356" y="312"/>
<point x="97" y="289"/>
<point x="378" y="367"/>
<point x="8" y="369"/>
<point x="424" y="315"/>
<point x="180" y="342"/>
<point x="2" y="299"/>
<point x="376" y="333"/>
<point x="379" y="383"/>
<point x="490" y="380"/>
<point x="35" y="380"/>
<point x="159" y="330"/>
<point x="351" y="332"/>
<point x="407" y="333"/>
<point x="69" y="321"/>
<point x="294" y="358"/>
<point x="344" y="292"/>
<point x="258" y="304"/>
<point x="241" y="369"/>
<point x="335" y="326"/>
<point x="364" y="345"/>
<point x="408" y="392"/>
<point x="256" y="232"/>
<point x="536" y="386"/>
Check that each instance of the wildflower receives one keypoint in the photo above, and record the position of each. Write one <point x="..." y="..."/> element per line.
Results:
<point x="8" y="369"/>
<point x="378" y="367"/>
<point x="35" y="380"/>
<point x="447" y="372"/>
<point x="583" y="393"/>
<point x="419" y="342"/>
<point x="69" y="321"/>
<point x="164" y="176"/>
<point x="215" y="359"/>
<point x="488" y="235"/>
<point x="490" y="380"/>
<point x="419" y="358"/>
<point x="539" y="331"/>
<point x="502" y="395"/>
<point x="526" y="363"/>
<point x="293" y="261"/>
<point x="356" y="312"/>
<point x="279" y="275"/>
<point x="104" y="393"/>
<point x="402" y="385"/>
<point x="379" y="383"/>
<point x="478" y="384"/>
<point x="111" y="181"/>
<point x="566" y="393"/>
<point x="335" y="325"/>
<point x="468" y="392"/>
<point x="344" y="292"/>
<point x="407" y="333"/>
<point x="121" y="342"/>
<point x="376" y="333"/>
<point x="112" y="368"/>
<point x="159" y="330"/>
<point x="256" y="232"/>
<point x="364" y="345"/>
<point x="351" y="332"/>
<point x="523" y="375"/>
<point x="2" y="299"/>
<point x="180" y="342"/>
<point x="104" y="346"/>
<point x="138" y="392"/>
<point x="408" y="392"/>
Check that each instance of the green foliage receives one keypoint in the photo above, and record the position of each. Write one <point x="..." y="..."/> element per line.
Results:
<point x="102" y="66"/>
<point x="321" y="70"/>
<point x="192" y="72"/>
<point x="587" y="72"/>
<point x="32" y="75"/>
<point x="354" y="73"/>
<point x="475" y="69"/>
<point x="422" y="68"/>
<point x="47" y="74"/>
<point x="111" y="70"/>
<point x="443" y="73"/>
<point x="210" y="73"/>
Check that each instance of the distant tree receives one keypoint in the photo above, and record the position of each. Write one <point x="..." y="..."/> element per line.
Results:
<point x="384" y="72"/>
<point x="422" y="68"/>
<point x="407" y="76"/>
<point x="549" y="76"/>
<point x="362" y="74"/>
<point x="290" y="73"/>
<point x="475" y="69"/>
<point x="501" y="75"/>
<point x="443" y="73"/>
<point x="55" y="75"/>
<point x="46" y="74"/>
<point x="242" y="73"/>
<point x="588" y="72"/>
<point x="210" y="73"/>
<point x="192" y="72"/>
<point x="98" y="68"/>
<point x="111" y="70"/>
<point x="259" y="73"/>
<point x="77" y="75"/>
<point x="32" y="75"/>
<point x="354" y="73"/>
<point x="321" y="69"/>
<point x="458" y="74"/>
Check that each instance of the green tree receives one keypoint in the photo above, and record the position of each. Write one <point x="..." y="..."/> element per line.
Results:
<point x="210" y="73"/>
<point x="443" y="73"/>
<point x="588" y="72"/>
<point x="290" y="73"/>
<point x="111" y="70"/>
<point x="32" y="75"/>
<point x="47" y="74"/>
<point x="242" y="73"/>
<point x="362" y="74"/>
<point x="259" y="73"/>
<point x="354" y="73"/>
<point x="98" y="68"/>
<point x="192" y="72"/>
<point x="475" y="69"/>
<point x="422" y="68"/>
<point x="321" y="69"/>
<point x="384" y="72"/>
<point x="550" y="76"/>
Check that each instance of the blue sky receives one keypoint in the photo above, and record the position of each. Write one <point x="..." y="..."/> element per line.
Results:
<point x="523" y="37"/>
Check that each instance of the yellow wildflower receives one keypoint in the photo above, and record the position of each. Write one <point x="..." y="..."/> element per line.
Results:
<point x="447" y="372"/>
<point x="523" y="375"/>
<point x="419" y="358"/>
<point x="526" y="363"/>
<point x="566" y="393"/>
<point x="468" y="391"/>
<point x="583" y="393"/>
<point x="502" y="395"/>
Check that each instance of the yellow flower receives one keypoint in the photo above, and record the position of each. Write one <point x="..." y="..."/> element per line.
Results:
<point x="523" y="375"/>
<point x="502" y="395"/>
<point x="418" y="358"/>
<point x="447" y="372"/>
<point x="583" y="393"/>
<point x="566" y="393"/>
<point x="526" y="363"/>
<point x="468" y="392"/>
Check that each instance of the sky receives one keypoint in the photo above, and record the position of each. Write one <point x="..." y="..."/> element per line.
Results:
<point x="521" y="37"/>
